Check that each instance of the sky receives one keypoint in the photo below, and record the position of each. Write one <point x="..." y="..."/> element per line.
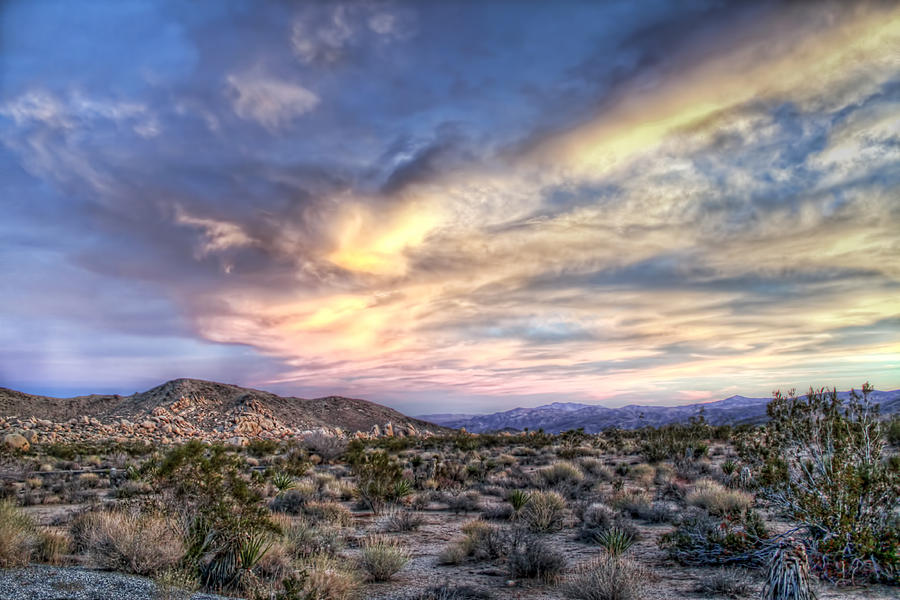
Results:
<point x="450" y="206"/>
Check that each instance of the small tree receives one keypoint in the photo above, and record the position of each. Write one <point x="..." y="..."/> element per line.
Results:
<point x="821" y="463"/>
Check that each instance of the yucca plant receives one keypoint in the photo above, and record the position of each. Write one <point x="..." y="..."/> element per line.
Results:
<point x="616" y="541"/>
<point x="518" y="499"/>
<point x="283" y="482"/>
<point x="788" y="577"/>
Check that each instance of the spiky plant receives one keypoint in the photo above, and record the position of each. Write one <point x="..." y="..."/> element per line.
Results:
<point x="518" y="499"/>
<point x="283" y="482"/>
<point x="616" y="541"/>
<point x="788" y="577"/>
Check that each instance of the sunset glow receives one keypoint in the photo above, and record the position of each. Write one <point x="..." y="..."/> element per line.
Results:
<point x="451" y="207"/>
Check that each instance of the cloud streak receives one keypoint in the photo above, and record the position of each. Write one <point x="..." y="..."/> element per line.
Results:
<point x="646" y="216"/>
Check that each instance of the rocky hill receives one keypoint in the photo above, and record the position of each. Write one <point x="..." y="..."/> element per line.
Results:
<point x="558" y="416"/>
<point x="189" y="408"/>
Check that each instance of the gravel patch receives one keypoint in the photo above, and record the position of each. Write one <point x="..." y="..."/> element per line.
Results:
<point x="75" y="583"/>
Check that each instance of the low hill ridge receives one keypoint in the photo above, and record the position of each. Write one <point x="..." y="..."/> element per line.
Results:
<point x="193" y="408"/>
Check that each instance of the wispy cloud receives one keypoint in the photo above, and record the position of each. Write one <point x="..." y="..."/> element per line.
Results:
<point x="643" y="216"/>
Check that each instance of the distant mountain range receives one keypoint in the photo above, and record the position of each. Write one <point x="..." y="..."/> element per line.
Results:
<point x="562" y="416"/>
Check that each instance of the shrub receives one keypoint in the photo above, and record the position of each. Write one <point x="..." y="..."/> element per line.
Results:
<point x="329" y="447"/>
<point x="304" y="540"/>
<point x="464" y="502"/>
<point x="452" y="592"/>
<point x="636" y="503"/>
<point x="718" y="500"/>
<point x="545" y="512"/>
<point x="822" y="463"/>
<point x="700" y="539"/>
<point x="530" y="557"/>
<point x="730" y="582"/>
<point x="378" y="479"/>
<point x="382" y="557"/>
<point x="559" y="474"/>
<point x="401" y="520"/>
<point x="291" y="502"/>
<point x="323" y="578"/>
<point x="139" y="543"/>
<point x="329" y="512"/>
<point x="17" y="536"/>
<point x="606" y="578"/>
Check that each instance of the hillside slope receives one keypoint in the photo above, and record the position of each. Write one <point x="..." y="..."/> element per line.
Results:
<point x="185" y="408"/>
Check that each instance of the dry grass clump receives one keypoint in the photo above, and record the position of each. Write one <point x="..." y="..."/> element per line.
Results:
<point x="143" y="544"/>
<point x="717" y="499"/>
<point x="18" y="536"/>
<point x="329" y="512"/>
<point x="382" y="557"/>
<point x="545" y="512"/>
<point x="52" y="546"/>
<point x="607" y="578"/>
<point x="304" y="540"/>
<point x="401" y="520"/>
<point x="559" y="473"/>
<point x="325" y="578"/>
<point x="730" y="582"/>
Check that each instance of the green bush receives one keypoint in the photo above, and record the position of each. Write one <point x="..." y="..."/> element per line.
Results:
<point x="378" y="479"/>
<point x="821" y="462"/>
<point x="223" y="519"/>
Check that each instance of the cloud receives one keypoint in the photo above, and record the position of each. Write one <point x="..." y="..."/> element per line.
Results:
<point x="636" y="215"/>
<point x="272" y="102"/>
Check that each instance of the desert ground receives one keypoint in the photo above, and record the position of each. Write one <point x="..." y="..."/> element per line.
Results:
<point x="506" y="516"/>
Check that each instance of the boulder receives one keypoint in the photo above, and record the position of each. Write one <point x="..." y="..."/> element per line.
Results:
<point x="16" y="441"/>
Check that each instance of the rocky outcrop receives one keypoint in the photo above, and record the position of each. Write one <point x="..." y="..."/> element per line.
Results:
<point x="186" y="409"/>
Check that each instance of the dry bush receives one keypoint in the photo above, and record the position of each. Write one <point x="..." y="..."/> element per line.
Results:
<point x="401" y="520"/>
<point x="643" y="474"/>
<point x="729" y="582"/>
<point x="382" y="557"/>
<point x="464" y="502"/>
<point x="559" y="474"/>
<point x="18" y="536"/>
<point x="633" y="502"/>
<point x="607" y="578"/>
<point x="530" y="557"/>
<point x="452" y="592"/>
<point x="143" y="544"/>
<point x="276" y="564"/>
<point x="596" y="468"/>
<point x="329" y="512"/>
<point x="482" y="541"/>
<point x="324" y="578"/>
<point x="304" y="540"/>
<point x="545" y="512"/>
<point x="717" y="499"/>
